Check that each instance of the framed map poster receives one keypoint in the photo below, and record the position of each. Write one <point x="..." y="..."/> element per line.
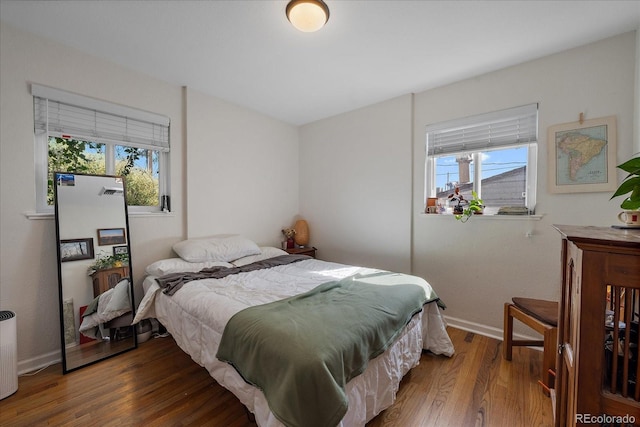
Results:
<point x="582" y="156"/>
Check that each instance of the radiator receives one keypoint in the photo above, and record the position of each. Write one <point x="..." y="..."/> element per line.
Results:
<point x="8" y="354"/>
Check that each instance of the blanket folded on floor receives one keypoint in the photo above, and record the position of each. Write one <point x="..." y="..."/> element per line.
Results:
<point x="301" y="351"/>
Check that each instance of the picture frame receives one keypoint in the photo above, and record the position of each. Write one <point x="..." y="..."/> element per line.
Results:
<point x="76" y="249"/>
<point x="111" y="236"/>
<point x="582" y="156"/>
<point x="119" y="250"/>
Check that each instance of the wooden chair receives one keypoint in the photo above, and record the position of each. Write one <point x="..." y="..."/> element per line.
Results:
<point x="541" y="316"/>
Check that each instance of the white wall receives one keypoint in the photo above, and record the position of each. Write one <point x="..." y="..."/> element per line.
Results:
<point x="478" y="266"/>
<point x="636" y="121"/>
<point x="355" y="185"/>
<point x="245" y="159"/>
<point x="355" y="171"/>
<point x="242" y="173"/>
<point x="28" y="273"/>
<point x="359" y="185"/>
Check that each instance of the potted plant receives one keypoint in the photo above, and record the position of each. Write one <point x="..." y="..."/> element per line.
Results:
<point x="474" y="206"/>
<point x="631" y="184"/>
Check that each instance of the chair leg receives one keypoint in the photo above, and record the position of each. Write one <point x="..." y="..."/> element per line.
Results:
<point x="549" y="358"/>
<point x="507" y="342"/>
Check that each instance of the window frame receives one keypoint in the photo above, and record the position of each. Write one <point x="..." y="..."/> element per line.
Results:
<point x="430" y="189"/>
<point x="41" y="143"/>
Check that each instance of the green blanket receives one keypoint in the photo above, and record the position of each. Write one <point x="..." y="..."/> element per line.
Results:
<point x="301" y="351"/>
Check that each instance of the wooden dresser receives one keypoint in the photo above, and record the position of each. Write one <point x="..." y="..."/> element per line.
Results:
<point x="103" y="280"/>
<point x="597" y="371"/>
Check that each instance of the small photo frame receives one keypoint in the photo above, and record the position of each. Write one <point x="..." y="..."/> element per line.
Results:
<point x="582" y="156"/>
<point x="120" y="250"/>
<point x="66" y="179"/>
<point x="111" y="236"/>
<point x="76" y="249"/>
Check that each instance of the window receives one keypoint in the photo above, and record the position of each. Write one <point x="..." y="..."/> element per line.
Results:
<point x="493" y="154"/>
<point x="78" y="134"/>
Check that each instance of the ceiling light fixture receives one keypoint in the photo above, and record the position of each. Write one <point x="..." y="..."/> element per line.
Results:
<point x="307" y="15"/>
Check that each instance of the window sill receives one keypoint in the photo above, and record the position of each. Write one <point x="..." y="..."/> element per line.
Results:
<point x="50" y="215"/>
<point x="39" y="215"/>
<point x="151" y="214"/>
<point x="490" y="216"/>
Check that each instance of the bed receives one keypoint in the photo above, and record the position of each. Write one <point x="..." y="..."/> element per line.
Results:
<point x="219" y="279"/>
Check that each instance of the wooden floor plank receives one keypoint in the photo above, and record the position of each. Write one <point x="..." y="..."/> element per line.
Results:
<point x="159" y="385"/>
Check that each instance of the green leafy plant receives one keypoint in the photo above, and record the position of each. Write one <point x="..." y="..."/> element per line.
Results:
<point x="105" y="261"/>
<point x="74" y="155"/>
<point x="475" y="206"/>
<point x="631" y="184"/>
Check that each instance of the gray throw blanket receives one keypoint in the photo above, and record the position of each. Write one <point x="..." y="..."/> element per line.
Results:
<point x="171" y="283"/>
<point x="301" y="351"/>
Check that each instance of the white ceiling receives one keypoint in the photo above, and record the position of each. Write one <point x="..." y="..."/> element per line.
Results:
<point x="246" y="52"/>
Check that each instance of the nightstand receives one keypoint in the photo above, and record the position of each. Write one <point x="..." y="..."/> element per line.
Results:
<point x="311" y="251"/>
<point x="105" y="279"/>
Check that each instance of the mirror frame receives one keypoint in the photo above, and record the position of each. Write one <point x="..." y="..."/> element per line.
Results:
<point x="95" y="359"/>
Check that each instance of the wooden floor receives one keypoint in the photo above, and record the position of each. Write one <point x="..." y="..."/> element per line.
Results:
<point x="159" y="385"/>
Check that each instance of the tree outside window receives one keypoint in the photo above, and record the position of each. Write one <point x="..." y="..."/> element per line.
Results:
<point x="139" y="166"/>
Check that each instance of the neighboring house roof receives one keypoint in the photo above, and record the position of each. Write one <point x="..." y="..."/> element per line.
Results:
<point x="467" y="187"/>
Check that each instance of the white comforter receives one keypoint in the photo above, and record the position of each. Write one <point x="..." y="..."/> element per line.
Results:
<point x="197" y="314"/>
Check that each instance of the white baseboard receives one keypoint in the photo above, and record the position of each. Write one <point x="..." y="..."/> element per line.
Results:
<point x="488" y="331"/>
<point x="42" y="361"/>
<point x="30" y="365"/>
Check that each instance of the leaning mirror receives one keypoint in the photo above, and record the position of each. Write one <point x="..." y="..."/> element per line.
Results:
<point x="94" y="268"/>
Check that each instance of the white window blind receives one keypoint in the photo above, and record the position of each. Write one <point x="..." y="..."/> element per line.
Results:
<point x="80" y="117"/>
<point x="484" y="132"/>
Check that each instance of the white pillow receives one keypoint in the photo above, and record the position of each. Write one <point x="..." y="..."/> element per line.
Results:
<point x="216" y="248"/>
<point x="267" y="252"/>
<point x="178" y="265"/>
<point x="120" y="302"/>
